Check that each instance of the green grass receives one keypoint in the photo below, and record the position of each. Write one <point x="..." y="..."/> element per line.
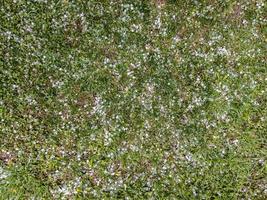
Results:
<point x="133" y="100"/>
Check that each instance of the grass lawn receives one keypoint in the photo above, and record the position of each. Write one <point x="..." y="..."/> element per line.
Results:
<point x="133" y="99"/>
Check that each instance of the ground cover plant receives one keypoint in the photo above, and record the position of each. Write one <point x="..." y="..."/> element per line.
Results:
<point x="131" y="99"/>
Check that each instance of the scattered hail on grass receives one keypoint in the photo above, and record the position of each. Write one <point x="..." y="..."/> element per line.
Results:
<point x="155" y="99"/>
